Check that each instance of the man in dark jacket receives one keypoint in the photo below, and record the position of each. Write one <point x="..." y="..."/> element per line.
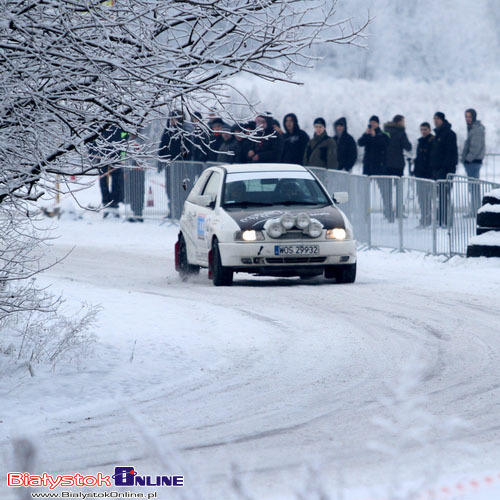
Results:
<point x="294" y="141"/>
<point x="398" y="142"/>
<point x="106" y="155"/>
<point x="347" y="152"/>
<point x="269" y="148"/>
<point x="216" y="140"/>
<point x="321" y="151"/>
<point x="444" y="159"/>
<point x="423" y="170"/>
<point x="201" y="139"/>
<point x="173" y="147"/>
<point x="375" y="143"/>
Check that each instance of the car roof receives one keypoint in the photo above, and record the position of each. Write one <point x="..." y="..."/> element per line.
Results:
<point x="262" y="167"/>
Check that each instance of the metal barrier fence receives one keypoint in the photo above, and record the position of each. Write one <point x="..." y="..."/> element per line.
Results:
<point x="404" y="213"/>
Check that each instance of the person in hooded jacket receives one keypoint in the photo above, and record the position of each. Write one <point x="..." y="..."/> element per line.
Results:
<point x="444" y="159"/>
<point x="269" y="147"/>
<point x="294" y="141"/>
<point x="321" y="151"/>
<point x="398" y="142"/>
<point x="347" y="152"/>
<point x="227" y="151"/>
<point x="473" y="155"/>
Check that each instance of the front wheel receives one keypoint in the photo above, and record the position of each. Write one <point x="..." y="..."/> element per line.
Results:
<point x="221" y="276"/>
<point x="345" y="273"/>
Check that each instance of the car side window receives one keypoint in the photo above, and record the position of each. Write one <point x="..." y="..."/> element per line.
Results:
<point x="212" y="186"/>
<point x="199" y="185"/>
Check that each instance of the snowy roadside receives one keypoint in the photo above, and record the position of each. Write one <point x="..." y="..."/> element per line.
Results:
<point x="196" y="362"/>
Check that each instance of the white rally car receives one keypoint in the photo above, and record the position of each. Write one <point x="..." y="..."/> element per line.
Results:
<point x="265" y="219"/>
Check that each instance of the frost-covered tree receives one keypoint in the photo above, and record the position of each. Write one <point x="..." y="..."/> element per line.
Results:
<point x="72" y="69"/>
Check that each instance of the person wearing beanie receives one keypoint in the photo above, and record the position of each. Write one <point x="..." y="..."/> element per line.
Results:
<point x="295" y="141"/>
<point x="321" y="151"/>
<point x="375" y="143"/>
<point x="473" y="154"/>
<point x="444" y="154"/>
<point x="444" y="159"/>
<point x="347" y="152"/>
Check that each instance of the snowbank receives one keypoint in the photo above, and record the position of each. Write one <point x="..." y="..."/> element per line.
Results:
<point x="490" y="238"/>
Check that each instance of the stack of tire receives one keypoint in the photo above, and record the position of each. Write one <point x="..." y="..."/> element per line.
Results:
<point x="487" y="241"/>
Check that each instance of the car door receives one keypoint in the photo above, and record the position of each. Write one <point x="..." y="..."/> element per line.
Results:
<point x="207" y="218"/>
<point x="189" y="217"/>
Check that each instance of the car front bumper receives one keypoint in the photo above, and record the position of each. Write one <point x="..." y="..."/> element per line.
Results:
<point x="262" y="254"/>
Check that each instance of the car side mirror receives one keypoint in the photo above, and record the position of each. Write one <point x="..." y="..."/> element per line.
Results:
<point x="205" y="200"/>
<point x="340" y="197"/>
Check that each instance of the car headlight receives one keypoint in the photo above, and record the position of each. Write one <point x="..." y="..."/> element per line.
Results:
<point x="275" y="229"/>
<point x="336" y="234"/>
<point x="315" y="229"/>
<point x="249" y="235"/>
<point x="287" y="221"/>
<point x="303" y="220"/>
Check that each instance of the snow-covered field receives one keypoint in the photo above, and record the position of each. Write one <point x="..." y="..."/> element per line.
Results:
<point x="282" y="378"/>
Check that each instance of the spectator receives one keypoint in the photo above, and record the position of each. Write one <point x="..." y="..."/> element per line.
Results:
<point x="444" y="158"/>
<point x="398" y="142"/>
<point x="375" y="143"/>
<point x="473" y="155"/>
<point x="294" y="141"/>
<point x="242" y="145"/>
<point x="227" y="150"/>
<point x="216" y="140"/>
<point x="173" y="147"/>
<point x="347" y="152"/>
<point x="423" y="170"/>
<point x="107" y="158"/>
<point x="321" y="151"/>
<point x="201" y="139"/>
<point x="268" y="148"/>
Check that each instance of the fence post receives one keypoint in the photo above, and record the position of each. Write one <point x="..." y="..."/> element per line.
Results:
<point x="399" y="210"/>
<point x="434" y="205"/>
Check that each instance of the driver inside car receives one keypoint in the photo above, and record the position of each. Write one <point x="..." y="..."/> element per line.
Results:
<point x="235" y="192"/>
<point x="289" y="190"/>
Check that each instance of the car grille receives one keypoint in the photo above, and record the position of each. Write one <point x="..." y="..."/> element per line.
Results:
<point x="295" y="260"/>
<point x="295" y="235"/>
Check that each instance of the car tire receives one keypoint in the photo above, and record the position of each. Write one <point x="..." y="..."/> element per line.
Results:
<point x="185" y="268"/>
<point x="221" y="276"/>
<point x="345" y="273"/>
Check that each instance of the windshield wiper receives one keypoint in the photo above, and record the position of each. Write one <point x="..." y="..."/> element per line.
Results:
<point x="247" y="204"/>
<point x="295" y="202"/>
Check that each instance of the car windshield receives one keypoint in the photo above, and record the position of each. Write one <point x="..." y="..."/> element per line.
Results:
<point x="268" y="189"/>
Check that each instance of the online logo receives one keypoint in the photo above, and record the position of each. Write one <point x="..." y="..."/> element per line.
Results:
<point x="127" y="476"/>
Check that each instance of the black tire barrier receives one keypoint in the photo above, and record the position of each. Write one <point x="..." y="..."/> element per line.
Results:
<point x="491" y="200"/>
<point x="482" y="230"/>
<point x="483" y="251"/>
<point x="488" y="219"/>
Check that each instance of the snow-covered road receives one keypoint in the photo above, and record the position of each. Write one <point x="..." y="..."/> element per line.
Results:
<point x="270" y="374"/>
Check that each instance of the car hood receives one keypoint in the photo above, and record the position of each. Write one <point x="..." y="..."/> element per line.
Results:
<point x="329" y="216"/>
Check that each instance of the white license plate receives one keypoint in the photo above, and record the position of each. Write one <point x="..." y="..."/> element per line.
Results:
<point x="296" y="250"/>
